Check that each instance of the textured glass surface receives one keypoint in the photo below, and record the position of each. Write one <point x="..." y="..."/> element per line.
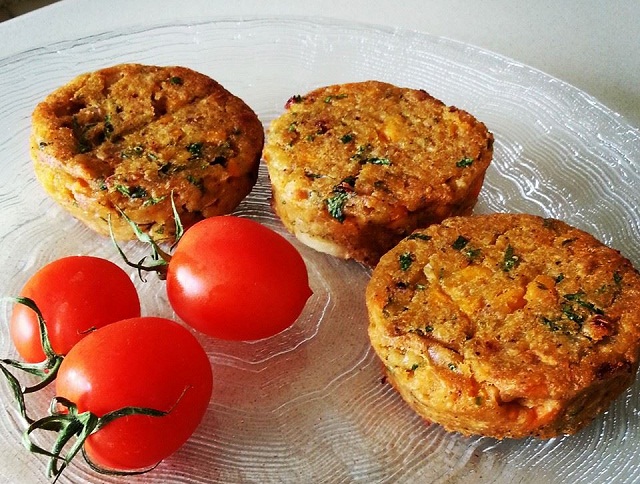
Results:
<point x="309" y="405"/>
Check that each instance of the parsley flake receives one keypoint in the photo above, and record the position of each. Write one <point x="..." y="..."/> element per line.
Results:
<point x="460" y="243"/>
<point x="464" y="162"/>
<point x="197" y="182"/>
<point x="572" y="315"/>
<point x="347" y="138"/>
<point x="329" y="99"/>
<point x="132" y="152"/>
<point x="153" y="201"/>
<point x="335" y="205"/>
<point x="80" y="133"/>
<point x="405" y="260"/>
<point x="471" y="253"/>
<point x="418" y="236"/>
<point x="374" y="160"/>
<point x="617" y="278"/>
<point x="551" y="324"/>
<point x="578" y="298"/>
<point x="132" y="192"/>
<point x="195" y="149"/>
<point x="108" y="127"/>
<point x="510" y="260"/>
<point x="361" y="152"/>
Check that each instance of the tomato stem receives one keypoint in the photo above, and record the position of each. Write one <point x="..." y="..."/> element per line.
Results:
<point x="46" y="370"/>
<point x="67" y="422"/>
<point x="178" y="223"/>
<point x="159" y="258"/>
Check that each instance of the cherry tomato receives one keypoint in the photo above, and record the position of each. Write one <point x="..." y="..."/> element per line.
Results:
<point x="141" y="362"/>
<point x="74" y="295"/>
<point x="233" y="278"/>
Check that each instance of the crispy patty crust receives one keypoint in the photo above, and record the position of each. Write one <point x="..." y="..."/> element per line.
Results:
<point x="357" y="167"/>
<point x="506" y="325"/>
<point x="130" y="137"/>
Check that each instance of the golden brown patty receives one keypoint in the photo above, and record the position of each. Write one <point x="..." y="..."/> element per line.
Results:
<point x="129" y="136"/>
<point x="506" y="325"/>
<point x="356" y="167"/>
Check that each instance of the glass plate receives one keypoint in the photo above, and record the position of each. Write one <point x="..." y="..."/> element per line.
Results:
<point x="309" y="405"/>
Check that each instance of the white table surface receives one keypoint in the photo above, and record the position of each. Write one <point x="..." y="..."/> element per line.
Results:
<point x="594" y="45"/>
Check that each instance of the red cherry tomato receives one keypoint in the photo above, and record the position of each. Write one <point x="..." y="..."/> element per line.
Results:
<point x="235" y="279"/>
<point x="141" y="362"/>
<point x="74" y="295"/>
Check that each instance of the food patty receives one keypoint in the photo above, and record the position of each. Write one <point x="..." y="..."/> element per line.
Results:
<point x="506" y="325"/>
<point x="130" y="137"/>
<point x="356" y="167"/>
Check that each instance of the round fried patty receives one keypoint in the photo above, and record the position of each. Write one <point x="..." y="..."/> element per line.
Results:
<point x="357" y="167"/>
<point x="506" y="325"/>
<point x="130" y="137"/>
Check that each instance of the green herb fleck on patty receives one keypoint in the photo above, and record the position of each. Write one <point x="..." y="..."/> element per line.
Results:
<point x="418" y="236"/>
<point x="195" y="149"/>
<point x="374" y="160"/>
<point x="329" y="99"/>
<point x="460" y="243"/>
<point x="108" y="127"/>
<point x="132" y="152"/>
<point x="197" y="182"/>
<point x="405" y="260"/>
<point x="335" y="205"/>
<point x="347" y="138"/>
<point x="132" y="192"/>
<point x="510" y="260"/>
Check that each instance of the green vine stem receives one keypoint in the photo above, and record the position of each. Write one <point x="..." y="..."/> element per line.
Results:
<point x="46" y="370"/>
<point x="159" y="258"/>
<point x="67" y="422"/>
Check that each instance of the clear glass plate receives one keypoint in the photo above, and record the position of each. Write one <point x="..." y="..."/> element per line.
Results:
<point x="308" y="405"/>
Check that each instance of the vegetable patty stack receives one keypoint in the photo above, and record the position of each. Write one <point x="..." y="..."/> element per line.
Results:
<point x="506" y="325"/>
<point x="357" y="167"/>
<point x="131" y="137"/>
